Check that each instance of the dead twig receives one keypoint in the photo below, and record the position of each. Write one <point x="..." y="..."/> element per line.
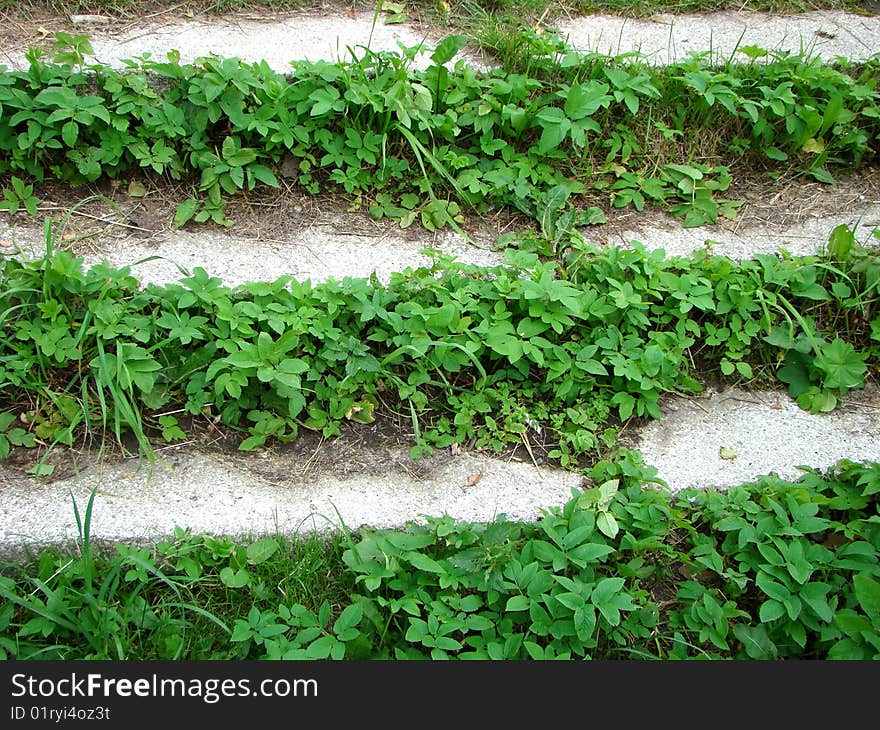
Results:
<point x="102" y="219"/>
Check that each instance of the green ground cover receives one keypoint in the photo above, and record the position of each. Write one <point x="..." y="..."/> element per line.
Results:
<point x="770" y="570"/>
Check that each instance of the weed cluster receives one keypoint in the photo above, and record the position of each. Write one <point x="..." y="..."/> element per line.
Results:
<point x="768" y="570"/>
<point x="469" y="352"/>
<point x="425" y="144"/>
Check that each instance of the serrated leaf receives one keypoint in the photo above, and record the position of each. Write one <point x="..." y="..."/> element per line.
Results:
<point x="843" y="367"/>
<point x="69" y="133"/>
<point x="771" y="610"/>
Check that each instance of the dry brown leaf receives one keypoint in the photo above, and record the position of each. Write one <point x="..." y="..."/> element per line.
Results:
<point x="352" y="14"/>
<point x="474" y="478"/>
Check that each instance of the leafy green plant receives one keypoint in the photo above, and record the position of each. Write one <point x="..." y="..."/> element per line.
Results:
<point x="772" y="569"/>
<point x="575" y="347"/>
<point x="19" y="196"/>
<point x="429" y="144"/>
<point x="12" y="435"/>
<point x="84" y="611"/>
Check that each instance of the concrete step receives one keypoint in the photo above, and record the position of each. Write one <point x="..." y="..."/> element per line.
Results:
<point x="280" y="38"/>
<point x="337" y="244"/>
<point x="720" y="439"/>
<point x="667" y="38"/>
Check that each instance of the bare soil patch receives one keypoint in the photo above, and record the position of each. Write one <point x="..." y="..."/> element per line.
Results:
<point x="89" y="216"/>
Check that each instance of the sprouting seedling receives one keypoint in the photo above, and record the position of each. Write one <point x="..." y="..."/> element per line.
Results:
<point x="71" y="49"/>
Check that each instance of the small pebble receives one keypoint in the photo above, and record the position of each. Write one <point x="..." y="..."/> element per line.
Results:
<point x="89" y="19"/>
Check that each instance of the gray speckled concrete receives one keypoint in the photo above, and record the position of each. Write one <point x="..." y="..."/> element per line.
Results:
<point x="321" y="252"/>
<point x="306" y="36"/>
<point x="224" y="495"/>
<point x="314" y="252"/>
<point x="761" y="433"/>
<point x="287" y="37"/>
<point x="667" y="38"/>
<point x="728" y="239"/>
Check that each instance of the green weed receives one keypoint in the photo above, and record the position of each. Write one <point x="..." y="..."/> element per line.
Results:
<point x="768" y="570"/>
<point x="575" y="346"/>
<point x="431" y="144"/>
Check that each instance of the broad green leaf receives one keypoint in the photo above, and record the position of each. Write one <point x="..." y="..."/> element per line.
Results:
<point x="771" y="610"/>
<point x="552" y="135"/>
<point x="583" y="100"/>
<point x="407" y="541"/>
<point x="771" y="587"/>
<point x="320" y="648"/>
<point x="590" y="552"/>
<point x="423" y="562"/>
<point x="756" y="642"/>
<point x="844" y="368"/>
<point x="234" y="578"/>
<point x="439" y="320"/>
<point x="572" y="601"/>
<point x="261" y="550"/>
<point x="263" y="174"/>
<point x="517" y="603"/>
<point x="185" y="211"/>
<point x="815" y="596"/>
<point x="447" y="48"/>
<point x="348" y="619"/>
<point x="69" y="133"/>
<point x="841" y="242"/>
<point x="60" y="96"/>
<point x="868" y="595"/>
<point x="607" y="524"/>
<point x="607" y="492"/>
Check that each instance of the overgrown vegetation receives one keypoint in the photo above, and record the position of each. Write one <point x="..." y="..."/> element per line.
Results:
<point x="768" y="570"/>
<point x="428" y="144"/>
<point x="459" y="9"/>
<point x="577" y="344"/>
